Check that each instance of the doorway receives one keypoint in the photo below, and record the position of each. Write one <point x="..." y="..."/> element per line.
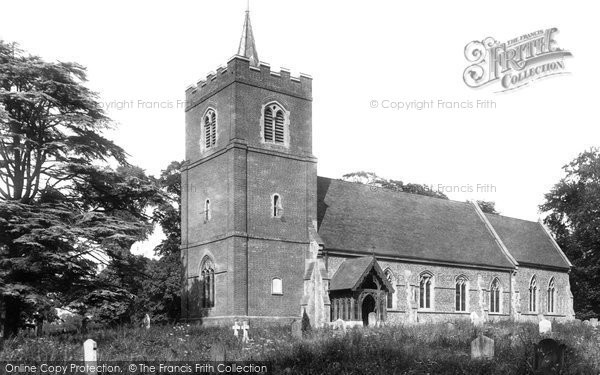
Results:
<point x="368" y="306"/>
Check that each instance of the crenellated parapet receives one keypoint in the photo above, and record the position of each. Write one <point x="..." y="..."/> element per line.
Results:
<point x="238" y="69"/>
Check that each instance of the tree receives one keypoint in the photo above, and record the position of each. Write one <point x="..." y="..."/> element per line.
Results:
<point x="370" y="178"/>
<point x="573" y="208"/>
<point x="488" y="207"/>
<point x="64" y="210"/>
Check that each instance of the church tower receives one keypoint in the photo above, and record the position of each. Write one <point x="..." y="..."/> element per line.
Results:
<point x="248" y="192"/>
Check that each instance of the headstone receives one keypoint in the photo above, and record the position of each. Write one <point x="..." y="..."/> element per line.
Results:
<point x="594" y="322"/>
<point x="339" y="324"/>
<point x="236" y="327"/>
<point x="545" y="326"/>
<point x="218" y="353"/>
<point x="84" y="323"/>
<point x="297" y="329"/>
<point x="372" y="319"/>
<point x="587" y="323"/>
<point x="245" y="328"/>
<point x="476" y="320"/>
<point x="450" y="326"/>
<point x="90" y="356"/>
<point x="146" y="322"/>
<point x="549" y="357"/>
<point x="482" y="348"/>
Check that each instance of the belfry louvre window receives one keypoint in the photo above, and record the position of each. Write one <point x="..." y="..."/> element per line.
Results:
<point x="495" y="296"/>
<point x="461" y="294"/>
<point x="210" y="128"/>
<point x="274" y="124"/>
<point x="276" y="206"/>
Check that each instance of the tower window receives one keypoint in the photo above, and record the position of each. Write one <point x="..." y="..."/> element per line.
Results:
<point x="533" y="294"/>
<point x="276" y="206"/>
<point x="274" y="125"/>
<point x="551" y="295"/>
<point x="495" y="291"/>
<point x="208" y="283"/>
<point x="207" y="210"/>
<point x="210" y="128"/>
<point x="276" y="286"/>
<point x="425" y="290"/>
<point x="461" y="294"/>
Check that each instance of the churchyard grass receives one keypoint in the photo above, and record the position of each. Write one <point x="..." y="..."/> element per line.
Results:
<point x="415" y="349"/>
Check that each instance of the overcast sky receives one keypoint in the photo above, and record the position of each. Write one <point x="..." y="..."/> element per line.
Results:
<point x="357" y="52"/>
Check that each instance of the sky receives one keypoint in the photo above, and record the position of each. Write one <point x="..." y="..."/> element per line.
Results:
<point x="363" y="56"/>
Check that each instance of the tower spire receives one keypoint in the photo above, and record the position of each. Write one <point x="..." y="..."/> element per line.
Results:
<point x="247" y="47"/>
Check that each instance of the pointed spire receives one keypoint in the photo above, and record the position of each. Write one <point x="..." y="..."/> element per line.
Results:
<point x="247" y="47"/>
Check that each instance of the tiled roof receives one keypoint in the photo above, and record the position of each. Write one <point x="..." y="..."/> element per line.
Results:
<point x="352" y="271"/>
<point x="354" y="218"/>
<point x="527" y="241"/>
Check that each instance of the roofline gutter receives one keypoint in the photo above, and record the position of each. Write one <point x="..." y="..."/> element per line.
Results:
<point x="495" y="235"/>
<point x="554" y="243"/>
<point x="358" y="253"/>
<point x="545" y="267"/>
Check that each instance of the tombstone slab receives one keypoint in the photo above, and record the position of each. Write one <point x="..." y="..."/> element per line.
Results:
<point x="594" y="322"/>
<point x="218" y="353"/>
<point x="476" y="320"/>
<point x="90" y="356"/>
<point x="372" y="319"/>
<point x="236" y="327"/>
<point x="549" y="357"/>
<point x="545" y="326"/>
<point x="146" y="322"/>
<point x="245" y="328"/>
<point x="339" y="325"/>
<point x="297" y="329"/>
<point x="482" y="348"/>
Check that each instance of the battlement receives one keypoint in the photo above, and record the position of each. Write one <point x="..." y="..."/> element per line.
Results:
<point x="238" y="69"/>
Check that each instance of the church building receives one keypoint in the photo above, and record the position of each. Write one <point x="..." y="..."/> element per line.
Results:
<point x="266" y="239"/>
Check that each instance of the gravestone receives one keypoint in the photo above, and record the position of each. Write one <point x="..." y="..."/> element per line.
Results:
<point x="90" y="356"/>
<point x="549" y="357"/>
<point x="236" y="327"/>
<point x="450" y="326"/>
<point x="218" y="353"/>
<point x="84" y="324"/>
<point x="245" y="328"/>
<point x="545" y="326"/>
<point x="339" y="324"/>
<point x="372" y="319"/>
<point x="482" y="348"/>
<point x="587" y="323"/>
<point x="594" y="322"/>
<point x="146" y="322"/>
<point x="476" y="320"/>
<point x="297" y="329"/>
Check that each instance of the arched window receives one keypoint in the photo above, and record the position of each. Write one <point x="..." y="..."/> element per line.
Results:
<point x="276" y="206"/>
<point x="210" y="128"/>
<point x="206" y="210"/>
<point x="495" y="295"/>
<point x="208" y="283"/>
<point x="533" y="294"/>
<point x="551" y="295"/>
<point x="274" y="124"/>
<point x="461" y="293"/>
<point x="425" y="291"/>
<point x="276" y="286"/>
<point x="390" y="295"/>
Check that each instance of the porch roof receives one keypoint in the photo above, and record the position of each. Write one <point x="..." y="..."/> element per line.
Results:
<point x="352" y="273"/>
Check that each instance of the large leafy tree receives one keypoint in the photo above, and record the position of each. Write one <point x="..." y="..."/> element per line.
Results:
<point x="373" y="179"/>
<point x="63" y="209"/>
<point x="573" y="207"/>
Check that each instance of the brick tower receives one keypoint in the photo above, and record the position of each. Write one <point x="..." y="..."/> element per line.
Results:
<point x="248" y="192"/>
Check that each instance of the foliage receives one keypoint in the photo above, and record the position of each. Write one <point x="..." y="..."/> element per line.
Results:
<point x="573" y="207"/>
<point x="64" y="210"/>
<point x="414" y="349"/>
<point x="370" y="178"/>
<point x="488" y="207"/>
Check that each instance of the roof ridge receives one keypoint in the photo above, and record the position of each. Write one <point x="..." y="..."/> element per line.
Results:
<point x="395" y="192"/>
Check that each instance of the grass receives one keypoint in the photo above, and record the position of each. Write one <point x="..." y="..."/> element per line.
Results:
<point x="415" y="349"/>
